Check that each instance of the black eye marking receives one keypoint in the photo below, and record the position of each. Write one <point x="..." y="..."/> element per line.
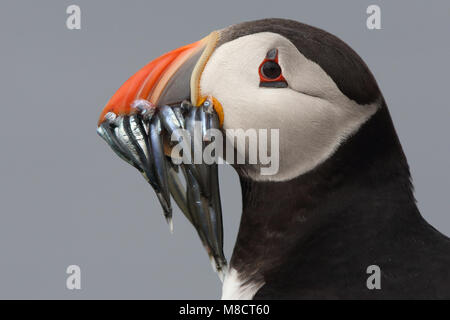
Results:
<point x="270" y="73"/>
<point x="272" y="54"/>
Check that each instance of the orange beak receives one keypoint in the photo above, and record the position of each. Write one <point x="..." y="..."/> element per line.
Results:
<point x="169" y="79"/>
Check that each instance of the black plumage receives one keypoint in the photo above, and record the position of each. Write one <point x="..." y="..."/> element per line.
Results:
<point x="315" y="235"/>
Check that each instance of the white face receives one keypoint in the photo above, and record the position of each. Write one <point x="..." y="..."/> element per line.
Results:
<point x="312" y="114"/>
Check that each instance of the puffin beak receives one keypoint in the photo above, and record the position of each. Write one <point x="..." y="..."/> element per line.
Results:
<point x="169" y="79"/>
<point x="139" y="121"/>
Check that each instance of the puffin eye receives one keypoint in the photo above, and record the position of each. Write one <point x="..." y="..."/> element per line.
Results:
<point x="270" y="73"/>
<point x="270" y="70"/>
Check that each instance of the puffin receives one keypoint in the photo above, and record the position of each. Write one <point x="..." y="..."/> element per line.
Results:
<point x="341" y="201"/>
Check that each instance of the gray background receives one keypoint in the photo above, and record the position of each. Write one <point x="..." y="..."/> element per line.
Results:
<point x="67" y="199"/>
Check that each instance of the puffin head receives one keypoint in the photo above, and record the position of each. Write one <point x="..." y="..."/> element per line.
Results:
<point x="266" y="74"/>
<point x="285" y="75"/>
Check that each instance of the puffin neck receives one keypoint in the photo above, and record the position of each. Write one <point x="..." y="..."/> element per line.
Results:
<point x="364" y="185"/>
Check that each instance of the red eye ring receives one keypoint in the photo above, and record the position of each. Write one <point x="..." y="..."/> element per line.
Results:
<point x="271" y="63"/>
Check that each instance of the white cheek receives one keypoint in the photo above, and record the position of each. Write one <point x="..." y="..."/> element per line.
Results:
<point x="310" y="128"/>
